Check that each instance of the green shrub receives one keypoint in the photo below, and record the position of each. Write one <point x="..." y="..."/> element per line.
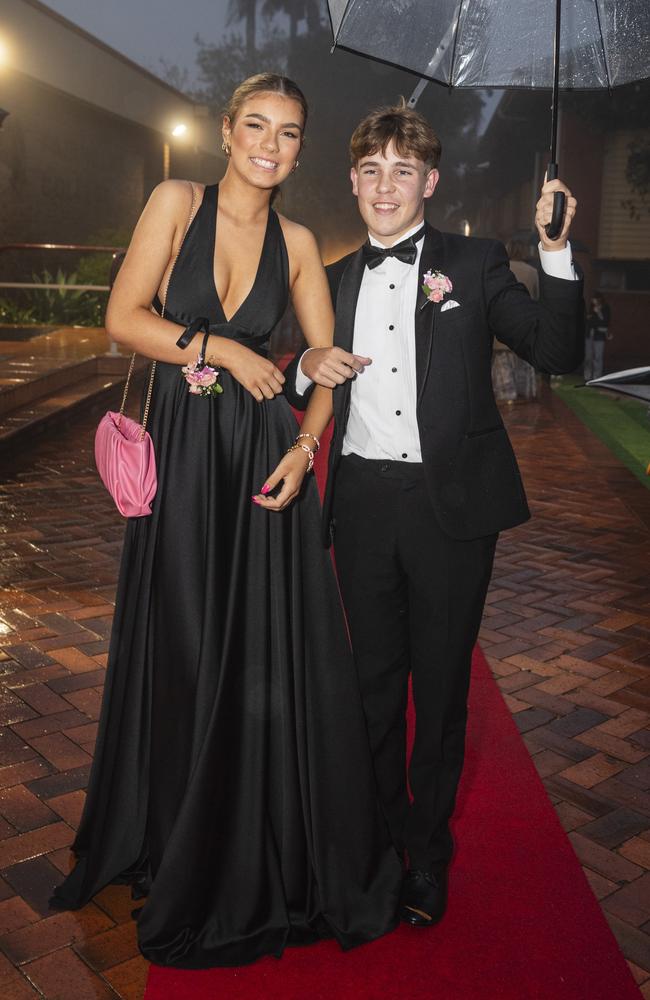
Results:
<point x="55" y="306"/>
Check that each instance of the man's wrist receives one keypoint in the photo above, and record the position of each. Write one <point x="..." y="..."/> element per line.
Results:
<point x="553" y="247"/>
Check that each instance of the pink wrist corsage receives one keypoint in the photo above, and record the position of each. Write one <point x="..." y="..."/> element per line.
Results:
<point x="202" y="380"/>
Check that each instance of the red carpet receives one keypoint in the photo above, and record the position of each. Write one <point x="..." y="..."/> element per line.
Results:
<point x="522" y="922"/>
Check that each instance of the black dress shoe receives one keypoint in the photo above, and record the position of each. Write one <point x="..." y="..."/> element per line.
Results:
<point x="424" y="897"/>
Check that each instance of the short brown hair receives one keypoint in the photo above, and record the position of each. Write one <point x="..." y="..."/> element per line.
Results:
<point x="407" y="128"/>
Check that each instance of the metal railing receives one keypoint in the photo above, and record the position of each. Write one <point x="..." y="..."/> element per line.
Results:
<point x="78" y="247"/>
<point x="118" y="256"/>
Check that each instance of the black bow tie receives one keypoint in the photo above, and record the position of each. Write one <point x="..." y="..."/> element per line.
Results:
<point x="406" y="251"/>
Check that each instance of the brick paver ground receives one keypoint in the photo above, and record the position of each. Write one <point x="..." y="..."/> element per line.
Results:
<point x="567" y="633"/>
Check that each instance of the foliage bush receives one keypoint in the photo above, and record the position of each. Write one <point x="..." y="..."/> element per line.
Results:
<point x="55" y="306"/>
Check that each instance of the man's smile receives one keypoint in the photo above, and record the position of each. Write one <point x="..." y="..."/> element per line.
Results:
<point x="385" y="207"/>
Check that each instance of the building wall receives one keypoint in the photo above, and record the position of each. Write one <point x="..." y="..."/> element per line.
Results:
<point x="622" y="235"/>
<point x="49" y="48"/>
<point x="630" y="330"/>
<point x="82" y="146"/>
<point x="595" y="165"/>
<point x="69" y="170"/>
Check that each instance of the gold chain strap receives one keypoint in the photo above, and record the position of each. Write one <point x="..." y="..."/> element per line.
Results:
<point x="147" y="403"/>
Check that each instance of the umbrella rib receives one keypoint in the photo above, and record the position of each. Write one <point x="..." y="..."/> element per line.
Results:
<point x="453" y="53"/>
<point x="341" y="22"/>
<point x="602" y="43"/>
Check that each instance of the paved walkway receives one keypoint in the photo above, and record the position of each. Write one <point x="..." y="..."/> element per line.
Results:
<point x="567" y="632"/>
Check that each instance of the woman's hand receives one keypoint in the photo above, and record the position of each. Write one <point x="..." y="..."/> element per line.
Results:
<point x="257" y="374"/>
<point x="292" y="469"/>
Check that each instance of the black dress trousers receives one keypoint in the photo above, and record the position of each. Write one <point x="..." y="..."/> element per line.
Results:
<point x="414" y="599"/>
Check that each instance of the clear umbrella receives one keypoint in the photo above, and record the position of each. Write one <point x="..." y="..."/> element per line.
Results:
<point x="575" y="44"/>
<point x="631" y="382"/>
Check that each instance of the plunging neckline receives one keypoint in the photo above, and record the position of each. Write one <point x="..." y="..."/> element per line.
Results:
<point x="259" y="264"/>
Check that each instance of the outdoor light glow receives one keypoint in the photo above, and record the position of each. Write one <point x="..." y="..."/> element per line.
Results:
<point x="179" y="130"/>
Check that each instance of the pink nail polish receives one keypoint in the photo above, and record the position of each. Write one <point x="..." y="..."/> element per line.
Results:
<point x="265" y="488"/>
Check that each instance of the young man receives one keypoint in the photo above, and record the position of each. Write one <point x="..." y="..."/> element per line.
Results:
<point x="422" y="476"/>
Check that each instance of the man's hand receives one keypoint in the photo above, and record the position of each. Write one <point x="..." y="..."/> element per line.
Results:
<point x="331" y="366"/>
<point x="544" y="214"/>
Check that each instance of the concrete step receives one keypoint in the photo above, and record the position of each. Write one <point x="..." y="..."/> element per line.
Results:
<point x="94" y="383"/>
<point x="24" y="393"/>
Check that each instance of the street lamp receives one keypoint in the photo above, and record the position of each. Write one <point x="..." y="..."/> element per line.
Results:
<point x="178" y="131"/>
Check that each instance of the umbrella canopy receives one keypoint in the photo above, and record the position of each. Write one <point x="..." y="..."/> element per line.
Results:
<point x="498" y="43"/>
<point x="631" y="382"/>
<point x="574" y="44"/>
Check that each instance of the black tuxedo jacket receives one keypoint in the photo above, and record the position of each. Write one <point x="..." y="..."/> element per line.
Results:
<point x="471" y="472"/>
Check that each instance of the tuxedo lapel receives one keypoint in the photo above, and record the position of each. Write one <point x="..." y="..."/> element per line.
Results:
<point x="426" y="311"/>
<point x="346" y="307"/>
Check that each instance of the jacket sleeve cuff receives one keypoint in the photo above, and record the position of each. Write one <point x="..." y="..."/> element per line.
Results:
<point x="558" y="263"/>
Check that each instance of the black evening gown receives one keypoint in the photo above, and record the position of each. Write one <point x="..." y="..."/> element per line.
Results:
<point x="232" y="784"/>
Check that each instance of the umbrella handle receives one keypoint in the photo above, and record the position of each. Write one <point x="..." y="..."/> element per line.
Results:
<point x="554" y="227"/>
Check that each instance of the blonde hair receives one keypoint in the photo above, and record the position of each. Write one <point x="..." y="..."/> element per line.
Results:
<point x="265" y="83"/>
<point x="407" y="128"/>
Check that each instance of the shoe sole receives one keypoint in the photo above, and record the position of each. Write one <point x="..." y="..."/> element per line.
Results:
<point x="418" y="918"/>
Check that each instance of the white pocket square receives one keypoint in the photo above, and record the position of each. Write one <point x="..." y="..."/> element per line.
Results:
<point x="449" y="304"/>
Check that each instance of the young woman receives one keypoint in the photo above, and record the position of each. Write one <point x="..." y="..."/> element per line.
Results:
<point x="232" y="782"/>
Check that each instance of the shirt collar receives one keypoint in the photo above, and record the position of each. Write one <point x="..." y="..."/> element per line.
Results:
<point x="404" y="236"/>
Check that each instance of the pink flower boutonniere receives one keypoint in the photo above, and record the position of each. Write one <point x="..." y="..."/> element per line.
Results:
<point x="202" y="381"/>
<point x="436" y="286"/>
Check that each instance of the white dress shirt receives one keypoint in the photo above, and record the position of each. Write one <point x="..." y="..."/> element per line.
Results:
<point x="382" y="423"/>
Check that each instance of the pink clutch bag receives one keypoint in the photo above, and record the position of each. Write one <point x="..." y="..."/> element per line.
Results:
<point x="126" y="463"/>
<point x="124" y="452"/>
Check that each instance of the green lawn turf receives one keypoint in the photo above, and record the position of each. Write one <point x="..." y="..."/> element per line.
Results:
<point x="622" y="423"/>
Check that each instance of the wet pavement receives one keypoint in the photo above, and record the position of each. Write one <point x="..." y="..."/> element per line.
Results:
<point x="566" y="631"/>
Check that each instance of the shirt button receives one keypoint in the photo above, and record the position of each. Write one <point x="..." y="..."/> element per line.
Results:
<point x="391" y="286"/>
<point x="398" y="413"/>
<point x="404" y="455"/>
<point x="393" y="369"/>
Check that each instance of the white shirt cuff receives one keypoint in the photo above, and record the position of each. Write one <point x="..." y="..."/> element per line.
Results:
<point x="302" y="381"/>
<point x="558" y="263"/>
